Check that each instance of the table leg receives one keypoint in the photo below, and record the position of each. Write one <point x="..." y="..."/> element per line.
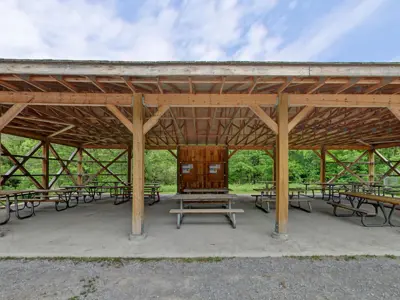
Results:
<point x="181" y="215"/>
<point x="7" y="208"/>
<point x="32" y="212"/>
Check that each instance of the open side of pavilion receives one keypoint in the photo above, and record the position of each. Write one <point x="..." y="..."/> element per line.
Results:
<point x="241" y="105"/>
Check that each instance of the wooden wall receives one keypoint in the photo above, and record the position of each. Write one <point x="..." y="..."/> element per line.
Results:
<point x="202" y="167"/>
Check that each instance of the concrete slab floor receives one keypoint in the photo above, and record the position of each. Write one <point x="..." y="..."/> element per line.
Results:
<point x="101" y="229"/>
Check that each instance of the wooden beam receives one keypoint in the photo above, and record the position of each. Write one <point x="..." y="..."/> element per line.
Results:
<point x="173" y="153"/>
<point x="120" y="116"/>
<point x="347" y="168"/>
<point x="396" y="112"/>
<point x="378" y="86"/>
<point x="154" y="119"/>
<point x="371" y="166"/>
<point x="221" y="90"/>
<point x="257" y="110"/>
<point x="45" y="165"/>
<point x="28" y="80"/>
<point x="129" y="84"/>
<point x="300" y="117"/>
<point x="232" y="153"/>
<point x="322" y="168"/>
<point x="9" y="86"/>
<point x="80" y="166"/>
<point x="386" y="161"/>
<point x="74" y="99"/>
<point x="253" y="86"/>
<point x="104" y="167"/>
<point x="177" y="128"/>
<point x="15" y="167"/>
<point x="343" y="100"/>
<point x="97" y="84"/>
<point x="65" y="84"/>
<point x="209" y="100"/>
<point x="284" y="85"/>
<point x="129" y="173"/>
<point x="19" y="165"/>
<point x="61" y="131"/>
<point x="316" y="86"/>
<point x="63" y="165"/>
<point x="282" y="167"/>
<point x="347" y="85"/>
<point x="159" y="86"/>
<point x="10" y="114"/>
<point x="138" y="168"/>
<point x="200" y="100"/>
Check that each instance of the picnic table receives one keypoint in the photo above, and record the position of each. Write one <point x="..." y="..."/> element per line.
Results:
<point x="265" y="196"/>
<point x="391" y="190"/>
<point x="32" y="199"/>
<point x="332" y="186"/>
<point x="91" y="191"/>
<point x="358" y="200"/>
<point x="205" y="199"/>
<point x="207" y="191"/>
<point x="152" y="192"/>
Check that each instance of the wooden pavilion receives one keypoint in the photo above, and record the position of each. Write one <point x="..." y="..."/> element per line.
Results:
<point x="271" y="106"/>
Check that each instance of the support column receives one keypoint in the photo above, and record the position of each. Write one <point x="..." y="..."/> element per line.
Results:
<point x="274" y="165"/>
<point x="282" y="168"/>
<point x="80" y="166"/>
<point x="138" y="168"/>
<point x="45" y="165"/>
<point x="371" y="166"/>
<point x="129" y="179"/>
<point x="322" y="167"/>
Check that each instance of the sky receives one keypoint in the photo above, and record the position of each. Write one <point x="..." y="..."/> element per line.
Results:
<point x="201" y="30"/>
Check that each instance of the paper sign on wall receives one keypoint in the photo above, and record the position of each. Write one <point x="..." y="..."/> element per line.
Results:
<point x="213" y="169"/>
<point x="186" y="168"/>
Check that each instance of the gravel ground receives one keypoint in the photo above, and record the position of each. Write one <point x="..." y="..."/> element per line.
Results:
<point x="264" y="278"/>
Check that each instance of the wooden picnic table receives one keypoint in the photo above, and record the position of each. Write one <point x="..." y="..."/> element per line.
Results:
<point x="152" y="191"/>
<point x="358" y="200"/>
<point x="30" y="197"/>
<point x="225" y="199"/>
<point x="265" y="196"/>
<point x="207" y="191"/>
<point x="91" y="189"/>
<point x="331" y="188"/>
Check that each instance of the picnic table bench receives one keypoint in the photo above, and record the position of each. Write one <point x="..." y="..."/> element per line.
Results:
<point x="357" y="200"/>
<point x="225" y="199"/>
<point x="32" y="199"/>
<point x="267" y="198"/>
<point x="152" y="192"/>
<point x="207" y="191"/>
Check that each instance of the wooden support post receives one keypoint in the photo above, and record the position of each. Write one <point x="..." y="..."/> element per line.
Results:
<point x="80" y="166"/>
<point x="129" y="179"/>
<point x="282" y="168"/>
<point x="371" y="166"/>
<point x="274" y="165"/>
<point x="45" y="165"/>
<point x="178" y="171"/>
<point x="138" y="167"/>
<point x="322" y="166"/>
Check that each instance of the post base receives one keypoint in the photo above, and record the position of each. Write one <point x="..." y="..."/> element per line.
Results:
<point x="137" y="237"/>
<point x="280" y="236"/>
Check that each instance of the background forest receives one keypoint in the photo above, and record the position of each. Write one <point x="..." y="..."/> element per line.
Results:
<point x="247" y="169"/>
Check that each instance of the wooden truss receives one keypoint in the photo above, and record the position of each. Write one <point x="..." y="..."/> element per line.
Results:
<point x="46" y="182"/>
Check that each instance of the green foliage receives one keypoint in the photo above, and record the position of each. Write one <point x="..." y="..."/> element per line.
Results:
<point x="246" y="168"/>
<point x="160" y="166"/>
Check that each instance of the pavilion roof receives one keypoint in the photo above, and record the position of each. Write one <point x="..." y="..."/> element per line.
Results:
<point x="354" y="105"/>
